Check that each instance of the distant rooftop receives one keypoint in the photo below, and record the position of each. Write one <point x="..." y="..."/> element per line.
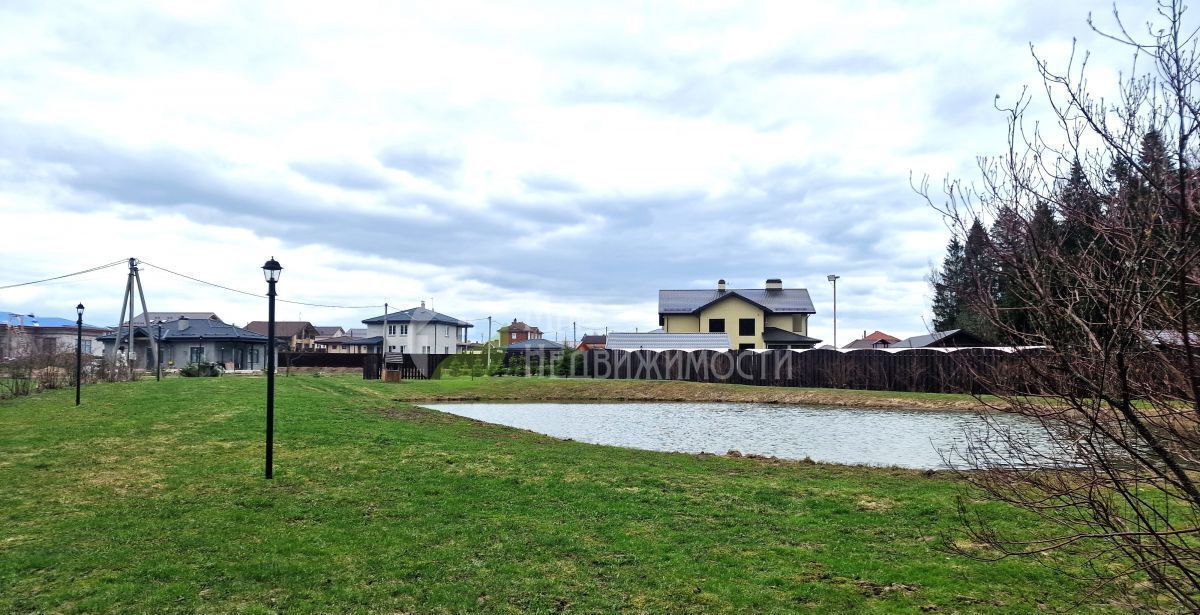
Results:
<point x="538" y="344"/>
<point x="773" y="299"/>
<point x="201" y="329"/>
<point x="13" y="319"/>
<point x="417" y="314"/>
<point x="170" y="316"/>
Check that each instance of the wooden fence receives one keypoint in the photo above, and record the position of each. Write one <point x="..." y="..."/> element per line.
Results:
<point x="401" y="366"/>
<point x="916" y="370"/>
<point x="319" y="359"/>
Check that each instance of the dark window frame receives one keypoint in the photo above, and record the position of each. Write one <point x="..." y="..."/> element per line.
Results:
<point x="716" y="325"/>
<point x="746" y="326"/>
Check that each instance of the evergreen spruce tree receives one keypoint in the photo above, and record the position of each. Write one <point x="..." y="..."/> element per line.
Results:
<point x="946" y="283"/>
<point x="1080" y="208"/>
<point x="1009" y="247"/>
<point x="977" y="284"/>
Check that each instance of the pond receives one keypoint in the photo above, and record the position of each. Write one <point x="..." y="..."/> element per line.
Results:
<point x="880" y="437"/>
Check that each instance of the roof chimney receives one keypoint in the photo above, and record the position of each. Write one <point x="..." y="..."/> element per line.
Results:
<point x="774" y="284"/>
<point x="422" y="304"/>
<point x="183" y="323"/>
<point x="721" y="285"/>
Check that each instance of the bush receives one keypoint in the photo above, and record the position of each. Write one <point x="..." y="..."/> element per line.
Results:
<point x="202" y="370"/>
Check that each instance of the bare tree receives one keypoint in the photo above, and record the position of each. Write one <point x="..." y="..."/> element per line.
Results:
<point x="1095" y="242"/>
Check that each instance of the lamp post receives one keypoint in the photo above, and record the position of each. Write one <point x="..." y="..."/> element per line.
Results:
<point x="158" y="353"/>
<point x="834" y="279"/>
<point x="78" y="351"/>
<point x="271" y="270"/>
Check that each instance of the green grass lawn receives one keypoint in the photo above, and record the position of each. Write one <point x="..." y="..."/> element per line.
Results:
<point x="150" y="497"/>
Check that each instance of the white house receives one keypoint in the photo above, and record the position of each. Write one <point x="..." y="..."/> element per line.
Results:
<point x="419" y="331"/>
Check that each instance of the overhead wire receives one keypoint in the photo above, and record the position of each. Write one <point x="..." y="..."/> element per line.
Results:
<point x="67" y="275"/>
<point x="244" y="292"/>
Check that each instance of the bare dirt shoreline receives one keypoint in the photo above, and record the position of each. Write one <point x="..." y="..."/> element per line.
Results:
<point x="586" y="390"/>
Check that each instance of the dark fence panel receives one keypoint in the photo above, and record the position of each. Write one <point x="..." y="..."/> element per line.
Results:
<point x="372" y="365"/>
<point x="403" y="366"/>
<point x="319" y="359"/>
<point x="921" y="370"/>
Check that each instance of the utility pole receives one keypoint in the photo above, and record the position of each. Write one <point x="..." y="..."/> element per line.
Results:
<point x="574" y="334"/>
<point x="488" y="345"/>
<point x="134" y="283"/>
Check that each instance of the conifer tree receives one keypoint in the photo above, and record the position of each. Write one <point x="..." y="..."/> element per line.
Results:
<point x="977" y="284"/>
<point x="946" y="283"/>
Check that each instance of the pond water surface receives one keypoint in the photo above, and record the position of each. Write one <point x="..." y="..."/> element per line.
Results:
<point x="884" y="437"/>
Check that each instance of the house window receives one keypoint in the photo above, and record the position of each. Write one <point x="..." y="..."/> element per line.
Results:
<point x="745" y="346"/>
<point x="402" y="350"/>
<point x="254" y="356"/>
<point x="446" y="350"/>
<point x="716" y="325"/>
<point x="446" y="332"/>
<point x="662" y="320"/>
<point x="424" y="349"/>
<point x="87" y="345"/>
<point x="197" y="354"/>
<point x="745" y="326"/>
<point x="391" y="349"/>
<point x="403" y="329"/>
<point x="391" y="330"/>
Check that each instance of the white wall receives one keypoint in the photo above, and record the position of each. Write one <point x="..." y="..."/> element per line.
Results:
<point x="421" y="338"/>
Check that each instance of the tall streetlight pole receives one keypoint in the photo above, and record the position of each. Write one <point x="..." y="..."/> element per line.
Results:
<point x="78" y="351"/>
<point x="834" y="279"/>
<point x="271" y="271"/>
<point x="158" y="353"/>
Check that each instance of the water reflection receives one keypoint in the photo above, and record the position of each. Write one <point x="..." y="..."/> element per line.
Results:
<point x="910" y="439"/>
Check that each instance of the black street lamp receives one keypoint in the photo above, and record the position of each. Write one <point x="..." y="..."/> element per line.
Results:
<point x="158" y="354"/>
<point x="78" y="351"/>
<point x="834" y="278"/>
<point x="271" y="271"/>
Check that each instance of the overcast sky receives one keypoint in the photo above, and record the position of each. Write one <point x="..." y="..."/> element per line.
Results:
<point x="555" y="162"/>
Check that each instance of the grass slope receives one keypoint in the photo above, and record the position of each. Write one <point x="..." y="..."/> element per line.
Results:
<point x="150" y="498"/>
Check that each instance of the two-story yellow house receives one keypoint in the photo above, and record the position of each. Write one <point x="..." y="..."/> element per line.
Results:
<point x="768" y="317"/>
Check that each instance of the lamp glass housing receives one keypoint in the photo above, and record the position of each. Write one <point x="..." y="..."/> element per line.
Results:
<point x="271" y="270"/>
<point x="79" y="310"/>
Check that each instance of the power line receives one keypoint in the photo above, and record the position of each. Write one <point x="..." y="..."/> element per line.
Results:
<point x="257" y="295"/>
<point x="59" y="277"/>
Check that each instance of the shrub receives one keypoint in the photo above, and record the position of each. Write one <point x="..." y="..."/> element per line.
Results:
<point x="202" y="370"/>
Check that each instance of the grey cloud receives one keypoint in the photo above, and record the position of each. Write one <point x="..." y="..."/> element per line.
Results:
<point x="342" y="175"/>
<point x="438" y="168"/>
<point x="546" y="183"/>
<point x="801" y="61"/>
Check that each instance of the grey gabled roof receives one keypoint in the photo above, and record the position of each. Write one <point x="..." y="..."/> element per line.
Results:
<point x="785" y="301"/>
<point x="170" y="316"/>
<point x="417" y="314"/>
<point x="953" y="337"/>
<point x="667" y="341"/>
<point x="538" y="344"/>
<point x="196" y="330"/>
<point x="921" y="341"/>
<point x="775" y="335"/>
